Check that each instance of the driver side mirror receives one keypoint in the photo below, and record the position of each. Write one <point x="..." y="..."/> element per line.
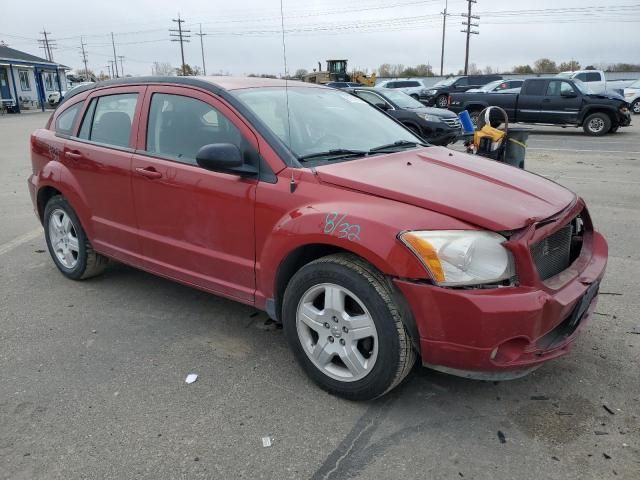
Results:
<point x="224" y="157"/>
<point x="383" y="106"/>
<point x="568" y="94"/>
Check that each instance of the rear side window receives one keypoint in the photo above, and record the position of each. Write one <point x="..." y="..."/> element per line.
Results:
<point x="179" y="126"/>
<point x="108" y="119"/>
<point x="534" y="87"/>
<point x="390" y="85"/>
<point x="408" y="84"/>
<point x="66" y="120"/>
<point x="593" y="77"/>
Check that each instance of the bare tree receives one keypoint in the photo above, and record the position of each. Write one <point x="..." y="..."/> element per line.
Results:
<point x="163" y="69"/>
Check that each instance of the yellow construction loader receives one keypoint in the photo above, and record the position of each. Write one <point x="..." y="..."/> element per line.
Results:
<point x="337" y="72"/>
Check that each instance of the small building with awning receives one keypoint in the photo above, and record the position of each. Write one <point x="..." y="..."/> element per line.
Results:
<point x="26" y="81"/>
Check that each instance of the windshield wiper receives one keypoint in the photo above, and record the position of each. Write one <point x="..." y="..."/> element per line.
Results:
<point x="336" y="152"/>
<point x="399" y="145"/>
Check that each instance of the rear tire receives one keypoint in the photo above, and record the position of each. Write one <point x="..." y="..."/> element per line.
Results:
<point x="442" y="101"/>
<point x="597" y="124"/>
<point x="635" y="106"/>
<point x="345" y="329"/>
<point x="67" y="242"/>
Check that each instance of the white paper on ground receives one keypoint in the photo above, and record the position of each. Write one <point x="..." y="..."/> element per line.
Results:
<point x="267" y="441"/>
<point x="192" y="377"/>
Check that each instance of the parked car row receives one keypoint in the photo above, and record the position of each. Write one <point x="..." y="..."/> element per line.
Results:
<point x="371" y="247"/>
<point x="553" y="100"/>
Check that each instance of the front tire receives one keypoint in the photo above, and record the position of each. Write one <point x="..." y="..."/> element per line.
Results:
<point x="597" y="124"/>
<point x="345" y="329"/>
<point x="442" y="101"/>
<point x="635" y="106"/>
<point x="67" y="242"/>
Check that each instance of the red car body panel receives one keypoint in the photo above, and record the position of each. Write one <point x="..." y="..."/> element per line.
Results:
<point x="455" y="184"/>
<point x="230" y="235"/>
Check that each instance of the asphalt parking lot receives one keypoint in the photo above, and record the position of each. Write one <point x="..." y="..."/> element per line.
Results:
<point x="92" y="374"/>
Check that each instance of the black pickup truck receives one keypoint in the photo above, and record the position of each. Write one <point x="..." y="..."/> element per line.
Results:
<point x="554" y="101"/>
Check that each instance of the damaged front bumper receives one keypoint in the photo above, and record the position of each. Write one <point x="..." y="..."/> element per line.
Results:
<point x="503" y="333"/>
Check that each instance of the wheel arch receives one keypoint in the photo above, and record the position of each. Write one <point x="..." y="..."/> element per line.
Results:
<point x="305" y="254"/>
<point x="589" y="110"/>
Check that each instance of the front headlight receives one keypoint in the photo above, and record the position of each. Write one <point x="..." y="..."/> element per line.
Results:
<point x="432" y="92"/>
<point x="428" y="117"/>
<point x="462" y="257"/>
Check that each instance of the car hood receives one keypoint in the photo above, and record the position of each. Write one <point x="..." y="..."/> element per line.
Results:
<point x="482" y="192"/>
<point x="436" y="112"/>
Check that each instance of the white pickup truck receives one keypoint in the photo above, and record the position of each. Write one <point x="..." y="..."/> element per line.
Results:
<point x="597" y="82"/>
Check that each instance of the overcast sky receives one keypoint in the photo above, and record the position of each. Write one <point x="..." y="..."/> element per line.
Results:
<point x="245" y="36"/>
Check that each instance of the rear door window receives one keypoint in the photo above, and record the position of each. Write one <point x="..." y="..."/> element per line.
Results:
<point x="179" y="126"/>
<point x="109" y="120"/>
<point x="593" y="77"/>
<point x="66" y="120"/>
<point x="534" y="87"/>
<point x="462" y="82"/>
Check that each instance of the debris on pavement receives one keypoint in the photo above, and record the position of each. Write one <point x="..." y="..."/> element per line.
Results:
<point x="267" y="441"/>
<point x="501" y="437"/>
<point x="599" y="432"/>
<point x="539" y="397"/>
<point x="608" y="410"/>
<point x="192" y="377"/>
<point x="608" y="457"/>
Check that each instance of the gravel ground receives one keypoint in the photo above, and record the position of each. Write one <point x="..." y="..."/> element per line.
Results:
<point x="92" y="373"/>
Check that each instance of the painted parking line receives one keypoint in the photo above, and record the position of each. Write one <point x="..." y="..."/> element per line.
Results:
<point x="16" y="242"/>
<point x="583" y="150"/>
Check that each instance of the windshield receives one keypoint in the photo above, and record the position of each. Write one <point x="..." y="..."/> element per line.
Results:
<point x="402" y="99"/>
<point x="446" y="82"/>
<point x="320" y="119"/>
<point x="490" y="86"/>
<point x="584" y="89"/>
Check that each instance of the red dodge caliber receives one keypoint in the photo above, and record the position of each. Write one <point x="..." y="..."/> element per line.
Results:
<point x="371" y="247"/>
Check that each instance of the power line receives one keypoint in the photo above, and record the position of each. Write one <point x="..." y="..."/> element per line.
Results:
<point x="204" y="67"/>
<point x="121" y="58"/>
<point x="47" y="44"/>
<point x="181" y="36"/>
<point x="468" y="30"/>
<point x="444" y="27"/>
<point x="115" y="58"/>
<point x="84" y="60"/>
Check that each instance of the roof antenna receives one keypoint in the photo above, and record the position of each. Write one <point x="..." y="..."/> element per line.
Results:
<point x="286" y="72"/>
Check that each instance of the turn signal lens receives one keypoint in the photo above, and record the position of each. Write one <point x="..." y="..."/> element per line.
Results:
<point x="427" y="253"/>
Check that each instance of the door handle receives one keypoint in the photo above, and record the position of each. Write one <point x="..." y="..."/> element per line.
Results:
<point x="73" y="155"/>
<point x="546" y="100"/>
<point x="149" y="172"/>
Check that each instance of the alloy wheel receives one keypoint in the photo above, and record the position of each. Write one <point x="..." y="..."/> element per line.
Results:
<point x="63" y="238"/>
<point x="337" y="332"/>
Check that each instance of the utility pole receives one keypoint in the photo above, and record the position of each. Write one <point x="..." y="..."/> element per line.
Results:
<point x="468" y="25"/>
<point x="114" y="71"/>
<point x="121" y="57"/>
<point x="84" y="60"/>
<point x="444" y="27"/>
<point x="181" y="36"/>
<point x="204" y="68"/>
<point x="109" y="70"/>
<point x="115" y="58"/>
<point x="47" y="44"/>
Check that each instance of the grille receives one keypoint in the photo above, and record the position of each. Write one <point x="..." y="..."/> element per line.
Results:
<point x="453" y="122"/>
<point x="552" y="255"/>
